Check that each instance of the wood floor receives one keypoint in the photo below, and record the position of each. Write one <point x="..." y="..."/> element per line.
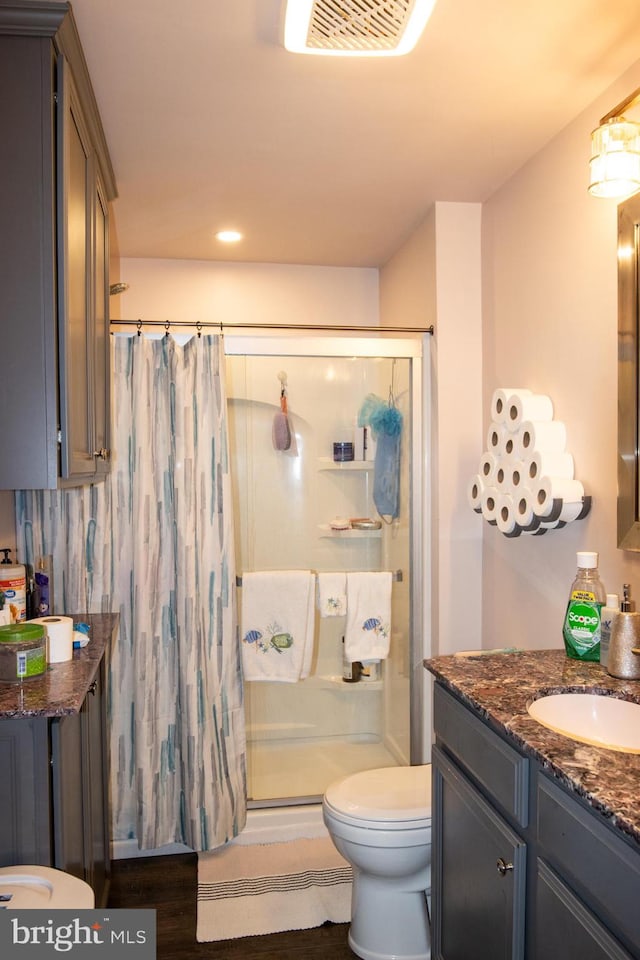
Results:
<point x="169" y="885"/>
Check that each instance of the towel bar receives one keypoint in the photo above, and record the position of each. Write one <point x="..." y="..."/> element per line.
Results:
<point x="396" y="576"/>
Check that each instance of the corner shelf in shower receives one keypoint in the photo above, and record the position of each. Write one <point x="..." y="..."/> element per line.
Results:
<point x="327" y="531"/>
<point x="326" y="463"/>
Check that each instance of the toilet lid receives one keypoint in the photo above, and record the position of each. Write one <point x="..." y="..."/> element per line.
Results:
<point x="34" y="887"/>
<point x="388" y="794"/>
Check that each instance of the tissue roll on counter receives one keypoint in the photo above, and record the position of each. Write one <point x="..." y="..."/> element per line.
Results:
<point x="59" y="633"/>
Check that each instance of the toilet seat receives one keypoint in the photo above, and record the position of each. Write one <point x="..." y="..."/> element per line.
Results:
<point x="392" y="798"/>
<point x="36" y="887"/>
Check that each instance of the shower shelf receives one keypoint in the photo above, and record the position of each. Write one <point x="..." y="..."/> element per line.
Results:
<point x="330" y="681"/>
<point x="326" y="463"/>
<point x="326" y="531"/>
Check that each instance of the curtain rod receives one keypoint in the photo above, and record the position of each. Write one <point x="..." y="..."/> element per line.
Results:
<point x="221" y="326"/>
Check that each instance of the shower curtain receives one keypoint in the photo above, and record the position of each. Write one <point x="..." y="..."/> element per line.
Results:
<point x="155" y="543"/>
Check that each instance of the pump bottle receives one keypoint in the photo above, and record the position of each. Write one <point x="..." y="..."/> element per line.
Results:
<point x="624" y="650"/>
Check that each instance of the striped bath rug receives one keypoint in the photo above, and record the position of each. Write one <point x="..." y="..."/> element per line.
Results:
<point x="266" y="888"/>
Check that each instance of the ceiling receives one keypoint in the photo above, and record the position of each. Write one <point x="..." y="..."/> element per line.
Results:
<point x="211" y="123"/>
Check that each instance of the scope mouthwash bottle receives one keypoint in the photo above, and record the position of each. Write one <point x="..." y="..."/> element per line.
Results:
<point x="581" y="630"/>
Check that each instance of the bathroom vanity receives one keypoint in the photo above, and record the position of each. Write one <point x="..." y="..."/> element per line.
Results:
<point x="535" y="837"/>
<point x="53" y="757"/>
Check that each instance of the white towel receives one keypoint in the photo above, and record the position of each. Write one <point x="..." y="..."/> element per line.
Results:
<point x="332" y="594"/>
<point x="277" y="624"/>
<point x="368" y="627"/>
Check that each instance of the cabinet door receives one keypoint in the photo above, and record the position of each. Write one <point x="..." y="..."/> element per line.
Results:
<point x="565" y="928"/>
<point x="479" y="865"/>
<point x="67" y="795"/>
<point x="94" y="776"/>
<point x="75" y="333"/>
<point x="25" y="792"/>
<point x="101" y="388"/>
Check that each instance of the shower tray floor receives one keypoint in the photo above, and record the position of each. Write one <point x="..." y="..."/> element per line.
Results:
<point x="305" y="768"/>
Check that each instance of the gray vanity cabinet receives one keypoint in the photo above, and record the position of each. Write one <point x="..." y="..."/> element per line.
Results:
<point x="54" y="193"/>
<point x="522" y="869"/>
<point x="480" y="906"/>
<point x="53" y="793"/>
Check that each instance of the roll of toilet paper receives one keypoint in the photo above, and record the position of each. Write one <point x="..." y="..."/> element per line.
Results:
<point x="59" y="631"/>
<point x="570" y="511"/>
<point x="500" y="399"/>
<point x="495" y="437"/>
<point x="506" y="516"/>
<point x="509" y="452"/>
<point x="547" y="436"/>
<point x="552" y="491"/>
<point x="542" y="464"/>
<point x="524" y="512"/>
<point x="488" y="467"/>
<point x="502" y="479"/>
<point x="474" y="493"/>
<point x="537" y="407"/>
<point x="517" y="477"/>
<point x="489" y="501"/>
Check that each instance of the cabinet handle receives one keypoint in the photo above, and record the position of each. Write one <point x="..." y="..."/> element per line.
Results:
<point x="102" y="453"/>
<point x="92" y="689"/>
<point x="503" y="867"/>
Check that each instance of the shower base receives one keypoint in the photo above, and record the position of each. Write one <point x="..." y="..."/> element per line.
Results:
<point x="302" y="769"/>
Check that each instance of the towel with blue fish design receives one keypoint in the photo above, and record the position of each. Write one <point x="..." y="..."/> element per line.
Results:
<point x="368" y="627"/>
<point x="277" y="624"/>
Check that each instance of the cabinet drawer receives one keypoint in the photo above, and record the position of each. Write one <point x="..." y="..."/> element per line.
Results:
<point x="564" y="928"/>
<point x="497" y="767"/>
<point x="602" y="869"/>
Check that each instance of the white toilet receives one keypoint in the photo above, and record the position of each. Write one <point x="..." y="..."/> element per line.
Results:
<point x="380" y="821"/>
<point x="31" y="887"/>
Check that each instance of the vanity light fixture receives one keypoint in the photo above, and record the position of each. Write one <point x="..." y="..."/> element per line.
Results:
<point x="228" y="236"/>
<point x="615" y="153"/>
<point x="355" y="28"/>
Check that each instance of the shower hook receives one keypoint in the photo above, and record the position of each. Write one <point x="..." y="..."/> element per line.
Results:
<point x="166" y="328"/>
<point x="199" y="329"/>
<point x="139" y="327"/>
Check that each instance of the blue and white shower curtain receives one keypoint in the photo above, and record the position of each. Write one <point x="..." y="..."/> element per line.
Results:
<point x="155" y="543"/>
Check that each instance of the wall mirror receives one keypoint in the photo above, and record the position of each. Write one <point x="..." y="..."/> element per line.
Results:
<point x="628" y="387"/>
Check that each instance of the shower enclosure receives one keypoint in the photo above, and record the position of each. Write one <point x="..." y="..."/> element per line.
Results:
<point x="301" y="736"/>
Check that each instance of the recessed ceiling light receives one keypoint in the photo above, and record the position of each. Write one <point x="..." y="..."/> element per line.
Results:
<point x="228" y="236"/>
<point x="355" y="28"/>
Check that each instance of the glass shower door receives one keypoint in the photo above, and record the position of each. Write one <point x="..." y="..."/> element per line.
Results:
<point x="301" y="736"/>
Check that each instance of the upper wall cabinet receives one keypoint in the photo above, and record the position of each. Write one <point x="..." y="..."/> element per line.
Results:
<point x="55" y="188"/>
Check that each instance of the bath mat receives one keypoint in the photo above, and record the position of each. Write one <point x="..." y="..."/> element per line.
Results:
<point x="267" y="888"/>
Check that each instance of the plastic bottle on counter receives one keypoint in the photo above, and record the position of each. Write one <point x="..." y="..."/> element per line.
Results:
<point x="607" y="614"/>
<point x="582" y="621"/>
<point x="13" y="583"/>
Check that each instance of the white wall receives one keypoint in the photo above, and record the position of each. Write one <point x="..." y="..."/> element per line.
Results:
<point x="435" y="278"/>
<point x="550" y="324"/>
<point x="204" y="291"/>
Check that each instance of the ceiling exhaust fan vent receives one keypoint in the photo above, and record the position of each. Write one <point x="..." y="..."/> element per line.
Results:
<point x="357" y="26"/>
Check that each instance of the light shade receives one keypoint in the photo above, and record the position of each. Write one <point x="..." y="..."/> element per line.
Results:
<point x="615" y="159"/>
<point x="355" y="28"/>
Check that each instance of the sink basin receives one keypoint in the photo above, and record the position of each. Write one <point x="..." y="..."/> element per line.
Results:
<point x="591" y="718"/>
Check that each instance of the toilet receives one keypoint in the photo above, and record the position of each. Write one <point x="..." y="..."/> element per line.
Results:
<point x="380" y="821"/>
<point x="31" y="887"/>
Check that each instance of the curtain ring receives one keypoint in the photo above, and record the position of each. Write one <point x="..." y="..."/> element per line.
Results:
<point x="166" y="328"/>
<point x="139" y="327"/>
<point x="199" y="329"/>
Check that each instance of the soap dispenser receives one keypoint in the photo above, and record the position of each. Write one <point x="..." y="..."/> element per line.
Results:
<point x="624" y="649"/>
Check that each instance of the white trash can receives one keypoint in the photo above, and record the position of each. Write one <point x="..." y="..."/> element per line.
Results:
<point x="30" y="887"/>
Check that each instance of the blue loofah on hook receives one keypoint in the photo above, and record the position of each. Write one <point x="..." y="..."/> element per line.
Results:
<point x="386" y="424"/>
<point x="380" y="416"/>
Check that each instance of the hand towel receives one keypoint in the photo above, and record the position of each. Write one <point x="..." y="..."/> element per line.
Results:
<point x="277" y="624"/>
<point x="332" y="594"/>
<point x="368" y="627"/>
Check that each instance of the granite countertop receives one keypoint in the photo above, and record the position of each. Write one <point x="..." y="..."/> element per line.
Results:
<point x="62" y="688"/>
<point x="500" y="687"/>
